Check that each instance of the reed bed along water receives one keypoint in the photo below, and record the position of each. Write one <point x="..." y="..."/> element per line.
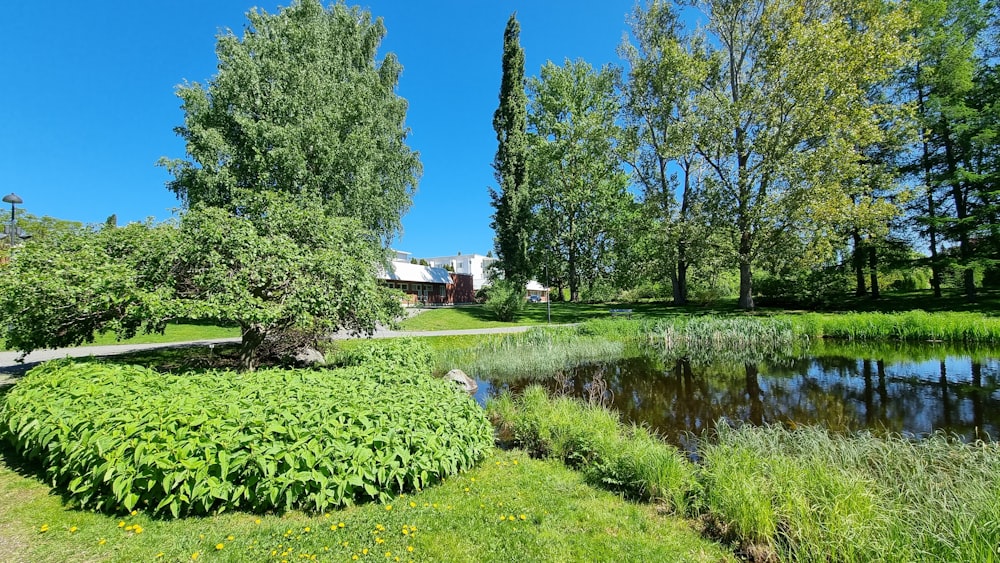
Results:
<point x="539" y="352"/>
<point x="813" y="496"/>
<point x="724" y="339"/>
<point x="911" y="325"/>
<point x="782" y="494"/>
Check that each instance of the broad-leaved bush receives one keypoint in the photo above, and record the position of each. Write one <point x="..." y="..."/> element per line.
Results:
<point x="118" y="438"/>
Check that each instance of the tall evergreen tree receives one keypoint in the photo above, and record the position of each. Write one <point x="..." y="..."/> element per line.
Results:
<point x="513" y="214"/>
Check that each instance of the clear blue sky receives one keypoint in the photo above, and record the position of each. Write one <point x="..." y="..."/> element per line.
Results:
<point x="88" y="105"/>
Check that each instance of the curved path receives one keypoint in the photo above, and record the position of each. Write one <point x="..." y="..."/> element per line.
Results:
<point x="10" y="366"/>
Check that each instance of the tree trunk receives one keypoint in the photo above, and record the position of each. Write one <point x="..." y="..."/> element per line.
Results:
<point x="873" y="270"/>
<point x="931" y="211"/>
<point x="859" y="265"/>
<point x="253" y="337"/>
<point x="680" y="286"/>
<point x="962" y="214"/>
<point x="746" y="274"/>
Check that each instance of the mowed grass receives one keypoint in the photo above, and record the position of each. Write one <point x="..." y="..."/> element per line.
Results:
<point x="178" y="332"/>
<point x="510" y="508"/>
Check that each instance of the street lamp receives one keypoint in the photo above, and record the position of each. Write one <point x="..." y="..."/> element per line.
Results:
<point x="12" y="199"/>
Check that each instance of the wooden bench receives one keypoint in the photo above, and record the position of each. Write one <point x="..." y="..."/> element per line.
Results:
<point x="621" y="313"/>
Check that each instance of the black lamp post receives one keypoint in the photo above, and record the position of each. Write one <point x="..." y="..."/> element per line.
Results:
<point x="12" y="199"/>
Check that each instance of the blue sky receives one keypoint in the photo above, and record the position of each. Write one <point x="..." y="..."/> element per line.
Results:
<point x="88" y="104"/>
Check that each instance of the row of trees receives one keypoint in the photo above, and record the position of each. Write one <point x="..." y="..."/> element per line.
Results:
<point x="296" y="175"/>
<point x="786" y="137"/>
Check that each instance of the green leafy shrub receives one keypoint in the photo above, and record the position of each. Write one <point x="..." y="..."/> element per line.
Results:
<point x="114" y="438"/>
<point x="390" y="354"/>
<point x="505" y="300"/>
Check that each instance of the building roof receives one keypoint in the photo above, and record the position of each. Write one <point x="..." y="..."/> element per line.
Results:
<point x="535" y="286"/>
<point x="404" y="271"/>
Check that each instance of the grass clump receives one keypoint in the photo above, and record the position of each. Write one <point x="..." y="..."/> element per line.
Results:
<point x="710" y="339"/>
<point x="393" y="354"/>
<point x="118" y="438"/>
<point x="591" y="438"/>
<point x="813" y="496"/>
<point x="538" y="352"/>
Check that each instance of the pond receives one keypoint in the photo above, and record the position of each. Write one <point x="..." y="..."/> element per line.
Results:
<point x="913" y="390"/>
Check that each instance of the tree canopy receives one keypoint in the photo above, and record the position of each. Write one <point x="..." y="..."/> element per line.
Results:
<point x="300" y="105"/>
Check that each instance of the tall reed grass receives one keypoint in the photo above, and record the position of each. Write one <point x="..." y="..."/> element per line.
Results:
<point x="814" y="496"/>
<point x="539" y="352"/>
<point x="709" y="339"/>
<point x="911" y="325"/>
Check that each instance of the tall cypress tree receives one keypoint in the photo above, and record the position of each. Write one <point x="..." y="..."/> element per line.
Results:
<point x="513" y="212"/>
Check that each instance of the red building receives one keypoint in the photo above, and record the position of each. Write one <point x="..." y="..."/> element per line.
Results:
<point x="424" y="285"/>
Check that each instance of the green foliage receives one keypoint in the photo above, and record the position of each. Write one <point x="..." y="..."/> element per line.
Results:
<point x="513" y="214"/>
<point x="118" y="438"/>
<point x="279" y="264"/>
<point x="539" y="352"/>
<point x="389" y="354"/>
<point x="591" y="438"/>
<point x="808" y="288"/>
<point x="300" y="105"/>
<point x="63" y="288"/>
<point x="912" y="325"/>
<point x="813" y="496"/>
<point x="505" y="299"/>
<point x="581" y="208"/>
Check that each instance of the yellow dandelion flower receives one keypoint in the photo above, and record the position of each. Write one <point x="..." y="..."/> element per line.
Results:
<point x="345" y="544"/>
<point x="409" y="548"/>
<point x="354" y="557"/>
<point x="306" y="529"/>
<point x="514" y="462"/>
<point x="134" y="512"/>
<point x="121" y="524"/>
<point x="388" y="507"/>
<point x="524" y="517"/>
<point x="231" y="538"/>
<point x="219" y="546"/>
<point x="194" y="556"/>
<point x="364" y="551"/>
<point x="102" y="541"/>
<point x="503" y="518"/>
<point x="435" y="505"/>
<point x="326" y="515"/>
<point x="413" y="504"/>
<point x="160" y="554"/>
<point x="473" y="479"/>
<point x="334" y="527"/>
<point x="511" y="517"/>
<point x="201" y="536"/>
<point x="388" y="554"/>
<point x="426" y="504"/>
<point x="413" y="528"/>
<point x="467" y="489"/>
<point x="137" y="529"/>
<point x="379" y="540"/>
<point x="340" y="525"/>
<point x="257" y="521"/>
<point x="43" y="528"/>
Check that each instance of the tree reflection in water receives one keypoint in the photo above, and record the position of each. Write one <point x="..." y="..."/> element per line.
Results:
<point x="896" y="388"/>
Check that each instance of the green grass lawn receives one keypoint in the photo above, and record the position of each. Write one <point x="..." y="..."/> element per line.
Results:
<point x="180" y="332"/>
<point x="476" y="316"/>
<point x="510" y="508"/>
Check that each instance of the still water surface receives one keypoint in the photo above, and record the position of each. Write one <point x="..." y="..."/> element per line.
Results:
<point x="911" y="390"/>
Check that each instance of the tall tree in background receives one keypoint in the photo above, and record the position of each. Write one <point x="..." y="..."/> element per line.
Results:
<point x="300" y="105"/>
<point x="784" y="109"/>
<point x="663" y="75"/>
<point x="513" y="213"/>
<point x="578" y="189"/>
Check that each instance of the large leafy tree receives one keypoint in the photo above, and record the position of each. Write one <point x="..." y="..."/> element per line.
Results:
<point x="664" y="70"/>
<point x="280" y="264"/>
<point x="581" y="204"/>
<point x="301" y="105"/>
<point x="783" y="112"/>
<point x="511" y="220"/>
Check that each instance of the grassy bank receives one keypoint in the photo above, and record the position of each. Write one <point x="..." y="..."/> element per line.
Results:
<point x="798" y="495"/>
<point x="549" y="512"/>
<point x="181" y="332"/>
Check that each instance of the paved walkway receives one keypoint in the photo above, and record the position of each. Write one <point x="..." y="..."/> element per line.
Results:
<point x="10" y="367"/>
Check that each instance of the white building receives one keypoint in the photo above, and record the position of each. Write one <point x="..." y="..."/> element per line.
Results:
<point x="475" y="265"/>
